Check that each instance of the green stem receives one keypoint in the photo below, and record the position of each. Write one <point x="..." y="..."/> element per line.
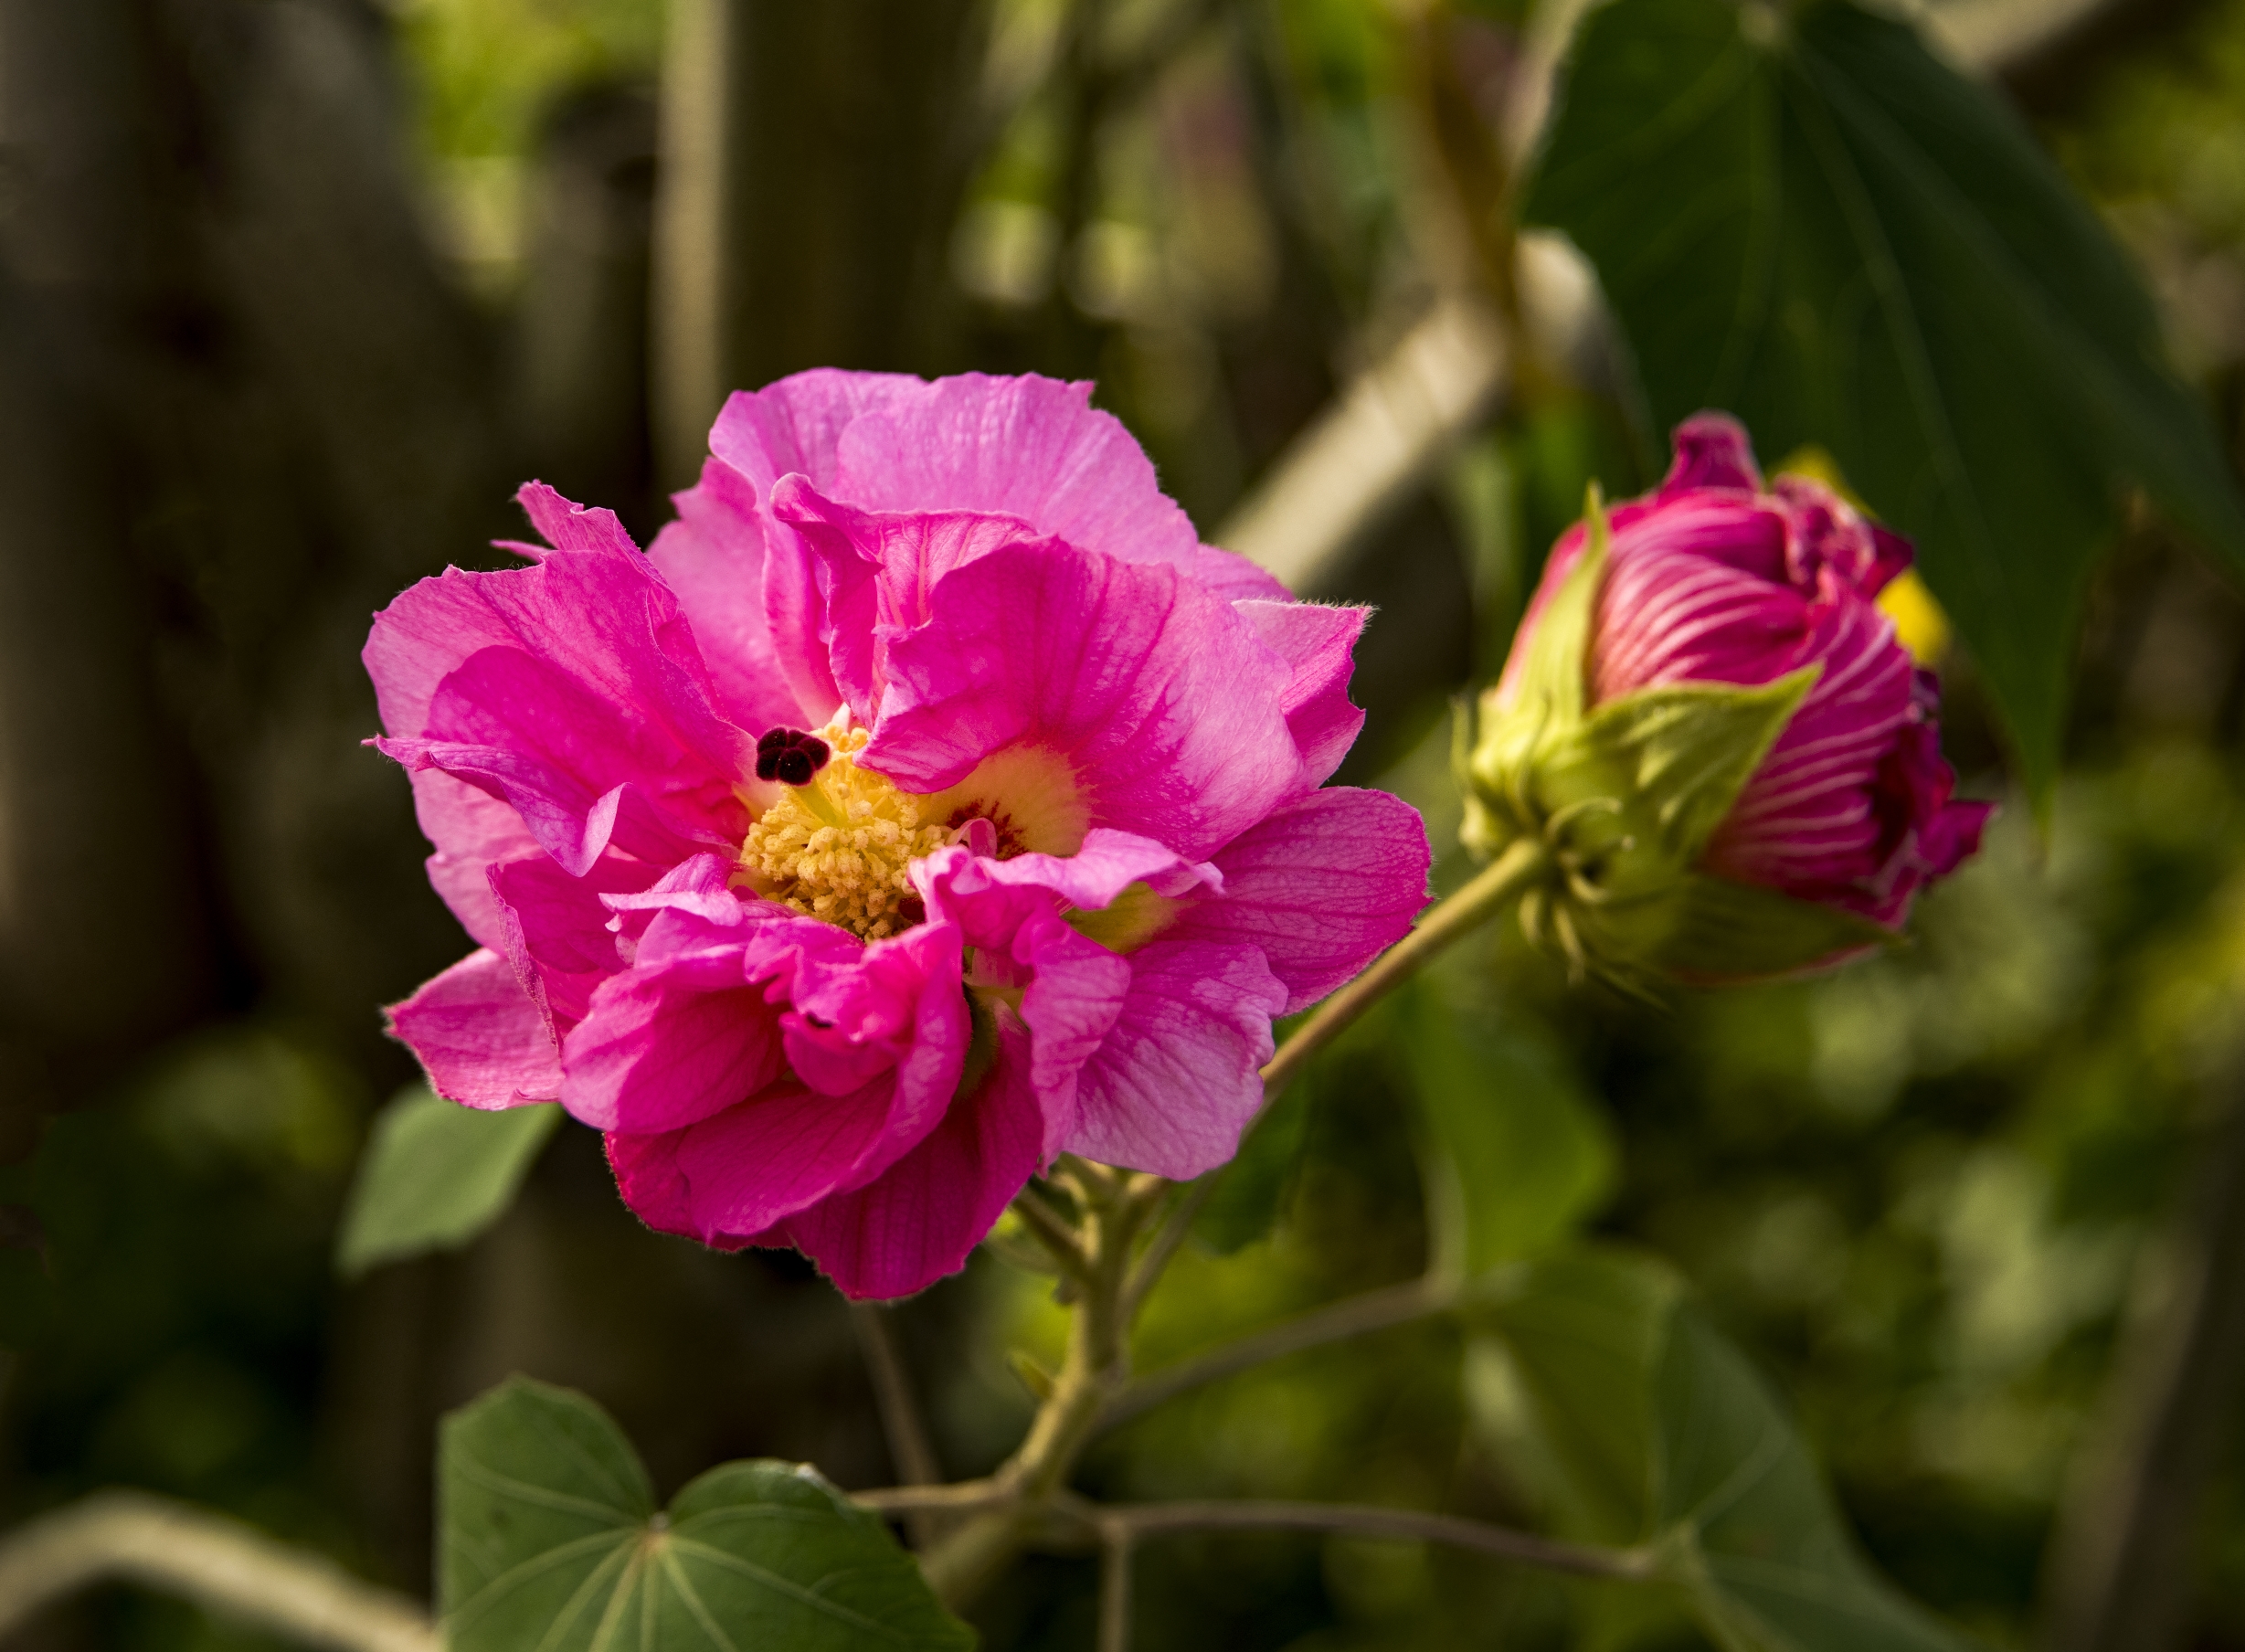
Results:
<point x="1097" y="1254"/>
<point x="1496" y="886"/>
<point x="1096" y="1368"/>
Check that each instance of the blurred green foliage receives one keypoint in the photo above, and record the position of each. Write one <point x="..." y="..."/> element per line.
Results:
<point x="486" y="71"/>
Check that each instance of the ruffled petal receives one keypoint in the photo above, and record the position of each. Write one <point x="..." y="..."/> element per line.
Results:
<point x="923" y="1217"/>
<point x="570" y="689"/>
<point x="762" y="1161"/>
<point x="712" y="556"/>
<point x="663" y="1047"/>
<point x="479" y="1036"/>
<point x="987" y="897"/>
<point x="560" y="936"/>
<point x="899" y="1004"/>
<point x="474" y="831"/>
<point x="562" y="814"/>
<point x="873" y="571"/>
<point x="568" y="526"/>
<point x="693" y="1026"/>
<point x="1034" y="448"/>
<point x="795" y="425"/>
<point x="1158" y="696"/>
<point x="1316" y="641"/>
<point x="1178" y="1079"/>
<point x="1012" y="913"/>
<point x="1321" y="888"/>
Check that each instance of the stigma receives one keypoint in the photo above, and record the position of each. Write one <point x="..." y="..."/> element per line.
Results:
<point x="837" y="844"/>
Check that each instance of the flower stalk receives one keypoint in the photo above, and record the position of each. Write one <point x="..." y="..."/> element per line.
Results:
<point x="1096" y="1368"/>
<point x="1107" y="1278"/>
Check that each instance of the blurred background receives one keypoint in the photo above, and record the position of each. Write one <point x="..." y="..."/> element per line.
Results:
<point x="294" y="293"/>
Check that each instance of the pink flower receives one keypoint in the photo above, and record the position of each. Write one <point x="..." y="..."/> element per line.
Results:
<point x="926" y="801"/>
<point x="1716" y="579"/>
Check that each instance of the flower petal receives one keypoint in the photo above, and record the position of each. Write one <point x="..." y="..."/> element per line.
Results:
<point x="712" y="556"/>
<point x="558" y="687"/>
<point x="1321" y="888"/>
<point x="560" y="936"/>
<point x="726" y="1178"/>
<point x="781" y="1151"/>
<point x="761" y="436"/>
<point x="693" y="1027"/>
<point x="1034" y="448"/>
<point x="1158" y="696"/>
<point x="873" y="570"/>
<point x="1177" y="1079"/>
<point x="1316" y="640"/>
<point x="474" y="831"/>
<point x="923" y="1217"/>
<point x="1712" y="451"/>
<point x="569" y="526"/>
<point x="478" y="1035"/>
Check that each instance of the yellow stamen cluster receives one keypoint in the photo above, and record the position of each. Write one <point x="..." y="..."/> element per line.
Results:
<point x="837" y="848"/>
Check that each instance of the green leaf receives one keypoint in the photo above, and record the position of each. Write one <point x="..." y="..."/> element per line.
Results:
<point x="1727" y="931"/>
<point x="1517" y="1152"/>
<point x="549" y="1540"/>
<point x="435" y="1175"/>
<point x="1805" y="218"/>
<point x="1642" y="1424"/>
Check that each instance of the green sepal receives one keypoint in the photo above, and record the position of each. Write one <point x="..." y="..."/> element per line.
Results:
<point x="1687" y="750"/>
<point x="1548" y="699"/>
<point x="1728" y="931"/>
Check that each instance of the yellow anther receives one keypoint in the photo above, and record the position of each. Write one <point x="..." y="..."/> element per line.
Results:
<point x="838" y="848"/>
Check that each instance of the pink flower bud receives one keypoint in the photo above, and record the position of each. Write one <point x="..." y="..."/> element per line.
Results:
<point x="1715" y="579"/>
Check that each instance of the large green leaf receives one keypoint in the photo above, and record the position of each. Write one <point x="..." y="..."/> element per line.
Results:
<point x="1517" y="1152"/>
<point x="1804" y="217"/>
<point x="1641" y="1425"/>
<point x="549" y="1542"/>
<point x="436" y="1174"/>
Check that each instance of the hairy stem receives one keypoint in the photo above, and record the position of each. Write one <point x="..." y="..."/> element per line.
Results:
<point x="215" y="1562"/>
<point x="1493" y="888"/>
<point x="961" y="1497"/>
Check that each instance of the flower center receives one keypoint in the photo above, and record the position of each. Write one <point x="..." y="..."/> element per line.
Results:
<point x="836" y="843"/>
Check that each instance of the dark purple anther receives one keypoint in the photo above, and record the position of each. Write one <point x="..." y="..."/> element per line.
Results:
<point x="790" y="756"/>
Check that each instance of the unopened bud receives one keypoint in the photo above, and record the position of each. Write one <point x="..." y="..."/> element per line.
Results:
<point x="1729" y="759"/>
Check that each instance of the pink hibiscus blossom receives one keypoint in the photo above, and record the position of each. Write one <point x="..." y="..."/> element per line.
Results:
<point x="926" y="802"/>
<point x="1715" y="578"/>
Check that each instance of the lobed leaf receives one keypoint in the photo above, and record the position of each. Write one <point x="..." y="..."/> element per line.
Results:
<point x="549" y="1541"/>
<point x="1642" y="1424"/>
